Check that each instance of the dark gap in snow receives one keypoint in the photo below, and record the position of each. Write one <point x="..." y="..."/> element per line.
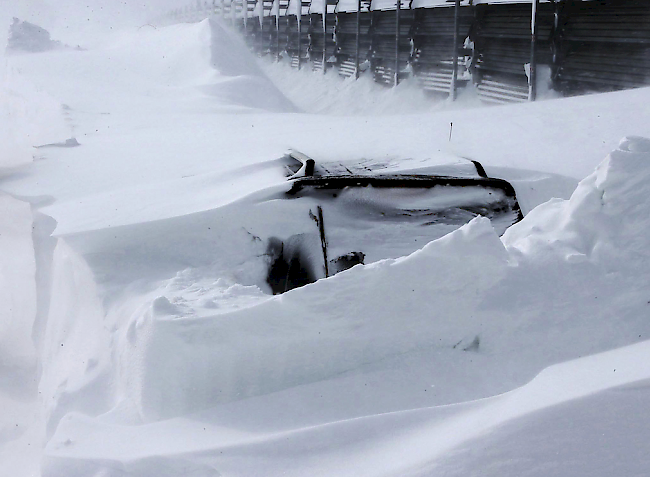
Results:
<point x="291" y="266"/>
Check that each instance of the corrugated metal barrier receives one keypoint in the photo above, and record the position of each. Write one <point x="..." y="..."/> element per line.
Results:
<point x="495" y="46"/>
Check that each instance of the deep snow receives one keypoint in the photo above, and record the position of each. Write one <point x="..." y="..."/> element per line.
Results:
<point x="139" y="339"/>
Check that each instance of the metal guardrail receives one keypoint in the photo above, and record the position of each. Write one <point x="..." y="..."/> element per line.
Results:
<point x="446" y="45"/>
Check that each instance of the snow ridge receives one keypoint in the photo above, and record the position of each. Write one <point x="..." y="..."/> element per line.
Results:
<point x="466" y="308"/>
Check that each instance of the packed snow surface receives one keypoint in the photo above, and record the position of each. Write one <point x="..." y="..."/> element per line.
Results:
<point x="141" y="185"/>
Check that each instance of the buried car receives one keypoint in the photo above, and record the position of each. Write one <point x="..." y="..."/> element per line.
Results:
<point x="361" y="216"/>
<point x="290" y="221"/>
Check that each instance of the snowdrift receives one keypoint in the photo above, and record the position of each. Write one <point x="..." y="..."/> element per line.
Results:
<point x="207" y="56"/>
<point x="451" y="439"/>
<point x="464" y="291"/>
<point x="466" y="317"/>
<point x="25" y="37"/>
<point x="156" y="350"/>
<point x="17" y="284"/>
<point x="162" y="110"/>
<point x="19" y="354"/>
<point x="583" y="418"/>
<point x="28" y="118"/>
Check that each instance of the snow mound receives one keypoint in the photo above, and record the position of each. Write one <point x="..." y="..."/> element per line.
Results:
<point x="463" y="293"/>
<point x="28" y="117"/>
<point x="212" y="57"/>
<point x="160" y="354"/>
<point x="581" y="418"/>
<point x="25" y="37"/>
<point x="248" y="85"/>
<point x="605" y="219"/>
<point x="550" y="424"/>
<point x="17" y="286"/>
<point x="318" y="93"/>
<point x="207" y="55"/>
<point x="468" y="313"/>
<point x="18" y="351"/>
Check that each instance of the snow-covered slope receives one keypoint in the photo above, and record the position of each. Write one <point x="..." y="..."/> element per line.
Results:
<point x="518" y="433"/>
<point x="18" y="352"/>
<point x="297" y="378"/>
<point x="163" y="106"/>
<point x="157" y="350"/>
<point x="28" y="117"/>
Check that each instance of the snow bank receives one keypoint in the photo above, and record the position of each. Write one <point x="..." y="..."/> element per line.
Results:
<point x="484" y="436"/>
<point x="18" y="354"/>
<point x="25" y="37"/>
<point x="316" y="93"/>
<point x="152" y="103"/>
<point x="76" y="350"/>
<point x="206" y="55"/>
<point x="261" y="350"/>
<point x="231" y="57"/>
<point x="28" y="118"/>
<point x="605" y="218"/>
<point x="583" y="418"/>
<point x="465" y="317"/>
<point x="17" y="285"/>
<point x="152" y="67"/>
<point x="512" y="310"/>
<point x="153" y="124"/>
<point x="79" y="22"/>
<point x="303" y="337"/>
<point x="161" y="353"/>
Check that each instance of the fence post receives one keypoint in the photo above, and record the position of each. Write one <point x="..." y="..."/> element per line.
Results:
<point x="532" y="73"/>
<point x="324" y="36"/>
<point x="299" y="22"/>
<point x="261" y="19"/>
<point x="397" y="14"/>
<point x="454" y="72"/>
<point x="358" y="41"/>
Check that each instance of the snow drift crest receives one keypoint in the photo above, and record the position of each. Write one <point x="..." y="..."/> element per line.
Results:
<point x="206" y="55"/>
<point x="605" y="220"/>
<point x="247" y="85"/>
